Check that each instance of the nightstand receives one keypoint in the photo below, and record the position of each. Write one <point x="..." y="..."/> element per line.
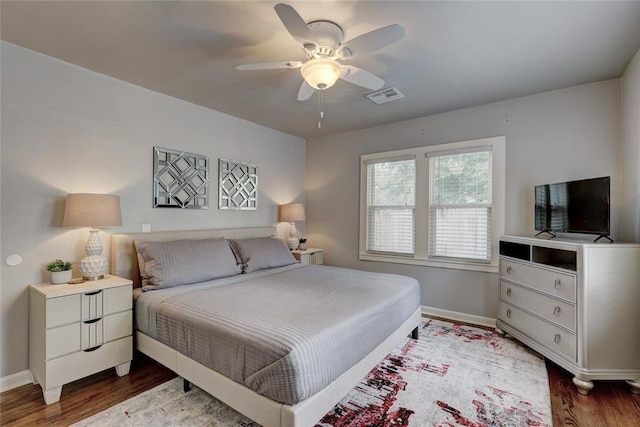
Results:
<point x="78" y="330"/>
<point x="309" y="256"/>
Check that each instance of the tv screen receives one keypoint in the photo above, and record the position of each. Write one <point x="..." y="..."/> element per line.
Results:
<point x="574" y="207"/>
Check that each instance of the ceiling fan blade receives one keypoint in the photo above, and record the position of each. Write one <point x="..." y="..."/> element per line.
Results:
<point x="296" y="26"/>
<point x="305" y="91"/>
<point x="269" y="65"/>
<point x="360" y="77"/>
<point x="371" y="41"/>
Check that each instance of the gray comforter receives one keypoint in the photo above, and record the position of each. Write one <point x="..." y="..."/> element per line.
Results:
<point x="286" y="333"/>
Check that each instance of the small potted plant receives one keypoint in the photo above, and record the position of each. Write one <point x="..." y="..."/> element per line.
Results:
<point x="60" y="271"/>
<point x="303" y="244"/>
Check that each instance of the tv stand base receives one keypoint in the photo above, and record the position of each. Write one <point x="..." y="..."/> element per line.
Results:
<point x="603" y="236"/>
<point x="549" y="232"/>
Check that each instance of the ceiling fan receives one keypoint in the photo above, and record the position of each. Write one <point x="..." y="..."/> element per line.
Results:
<point x="322" y="42"/>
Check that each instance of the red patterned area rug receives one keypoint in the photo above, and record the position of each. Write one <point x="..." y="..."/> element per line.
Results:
<point x="453" y="375"/>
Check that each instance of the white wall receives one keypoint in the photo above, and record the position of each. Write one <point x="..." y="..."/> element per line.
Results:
<point x="556" y="136"/>
<point x="66" y="129"/>
<point x="630" y="88"/>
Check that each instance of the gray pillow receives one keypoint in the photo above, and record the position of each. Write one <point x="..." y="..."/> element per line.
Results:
<point x="261" y="253"/>
<point x="181" y="262"/>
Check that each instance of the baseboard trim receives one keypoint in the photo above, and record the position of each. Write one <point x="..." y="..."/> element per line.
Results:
<point x="459" y="317"/>
<point x="15" y="380"/>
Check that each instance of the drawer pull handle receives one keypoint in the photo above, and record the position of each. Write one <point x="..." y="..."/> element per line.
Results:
<point x="87" y="322"/>
<point x="508" y="292"/>
<point x="509" y="313"/>
<point x="93" y="293"/>
<point x="92" y="348"/>
<point x="556" y="339"/>
<point x="509" y="270"/>
<point x="556" y="311"/>
<point x="557" y="283"/>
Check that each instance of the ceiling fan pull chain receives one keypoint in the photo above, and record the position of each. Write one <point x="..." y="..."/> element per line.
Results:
<point x="321" y="110"/>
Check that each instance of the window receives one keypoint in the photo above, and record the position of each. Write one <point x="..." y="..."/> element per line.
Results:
<point x="390" y="206"/>
<point x="460" y="205"/>
<point x="439" y="205"/>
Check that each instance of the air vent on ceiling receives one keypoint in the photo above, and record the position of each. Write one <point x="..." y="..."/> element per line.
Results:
<point x="385" y="95"/>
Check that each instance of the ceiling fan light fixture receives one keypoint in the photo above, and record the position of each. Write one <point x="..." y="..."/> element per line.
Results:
<point x="321" y="73"/>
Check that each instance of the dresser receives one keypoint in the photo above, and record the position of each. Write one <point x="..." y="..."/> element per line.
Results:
<point x="577" y="303"/>
<point x="78" y="330"/>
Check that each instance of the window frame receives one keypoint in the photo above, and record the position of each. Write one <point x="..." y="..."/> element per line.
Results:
<point x="421" y="212"/>
<point x="368" y="207"/>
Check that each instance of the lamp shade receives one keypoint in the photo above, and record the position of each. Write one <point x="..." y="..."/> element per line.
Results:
<point x="92" y="210"/>
<point x="321" y="73"/>
<point x="292" y="212"/>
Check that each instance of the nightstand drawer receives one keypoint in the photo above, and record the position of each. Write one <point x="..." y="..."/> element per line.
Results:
<point x="118" y="325"/>
<point x="553" y="282"/>
<point x="63" y="310"/>
<point x="80" y="364"/>
<point x="552" y="309"/>
<point x="117" y="299"/>
<point x="92" y="305"/>
<point x="63" y="340"/>
<point x="92" y="334"/>
<point x="309" y="256"/>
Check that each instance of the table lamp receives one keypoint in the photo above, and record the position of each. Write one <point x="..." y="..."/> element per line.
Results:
<point x="292" y="213"/>
<point x="95" y="211"/>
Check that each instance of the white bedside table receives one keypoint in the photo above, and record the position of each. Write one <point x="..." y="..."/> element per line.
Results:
<point x="309" y="256"/>
<point x="78" y="330"/>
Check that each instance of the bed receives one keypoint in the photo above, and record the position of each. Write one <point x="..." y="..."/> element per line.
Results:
<point x="279" y="342"/>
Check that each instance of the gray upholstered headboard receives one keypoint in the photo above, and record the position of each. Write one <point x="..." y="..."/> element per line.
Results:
<point x="124" y="262"/>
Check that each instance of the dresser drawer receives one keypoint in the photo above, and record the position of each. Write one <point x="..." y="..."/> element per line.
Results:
<point x="551" y="336"/>
<point x="553" y="282"/>
<point x="552" y="309"/>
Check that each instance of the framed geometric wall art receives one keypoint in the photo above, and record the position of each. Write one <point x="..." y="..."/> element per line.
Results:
<point x="238" y="186"/>
<point x="180" y="179"/>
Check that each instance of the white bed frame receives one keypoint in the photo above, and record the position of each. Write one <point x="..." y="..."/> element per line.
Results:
<point x="261" y="409"/>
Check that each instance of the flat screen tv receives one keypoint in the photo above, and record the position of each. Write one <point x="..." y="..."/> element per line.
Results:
<point x="574" y="207"/>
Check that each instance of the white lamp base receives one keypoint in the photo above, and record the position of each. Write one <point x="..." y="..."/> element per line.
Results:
<point x="94" y="265"/>
<point x="293" y="242"/>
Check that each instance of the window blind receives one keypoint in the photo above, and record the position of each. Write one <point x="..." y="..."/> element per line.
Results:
<point x="460" y="205"/>
<point x="391" y="206"/>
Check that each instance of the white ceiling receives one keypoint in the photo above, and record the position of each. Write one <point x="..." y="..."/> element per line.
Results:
<point x="455" y="54"/>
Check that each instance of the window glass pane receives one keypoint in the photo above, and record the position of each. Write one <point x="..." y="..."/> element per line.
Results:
<point x="461" y="233"/>
<point x="393" y="183"/>
<point x="460" y="206"/>
<point x="391" y="230"/>
<point x="460" y="178"/>
<point x="390" y="206"/>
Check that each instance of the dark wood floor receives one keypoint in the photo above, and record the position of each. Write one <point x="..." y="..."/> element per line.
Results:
<point x="24" y="406"/>
<point x="609" y="404"/>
